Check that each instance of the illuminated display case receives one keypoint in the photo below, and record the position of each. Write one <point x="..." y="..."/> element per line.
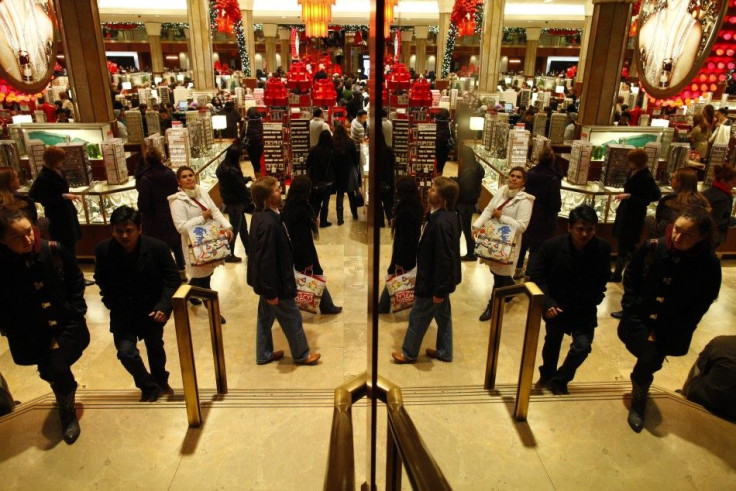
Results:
<point x="637" y="136"/>
<point x="54" y="133"/>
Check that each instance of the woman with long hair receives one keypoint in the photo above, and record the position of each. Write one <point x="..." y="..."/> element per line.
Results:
<point x="321" y="170"/>
<point x="347" y="171"/>
<point x="684" y="182"/>
<point x="9" y="197"/>
<point x="254" y="136"/>
<point x="300" y="221"/>
<point x="699" y="135"/>
<point x="235" y="197"/>
<point x="405" y="229"/>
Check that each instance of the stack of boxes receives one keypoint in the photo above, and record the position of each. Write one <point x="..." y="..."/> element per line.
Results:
<point x="134" y="124"/>
<point x="580" y="155"/>
<point x="616" y="165"/>
<point x="180" y="147"/>
<point x="113" y="155"/>
<point x="77" y="168"/>
<point x="518" y="147"/>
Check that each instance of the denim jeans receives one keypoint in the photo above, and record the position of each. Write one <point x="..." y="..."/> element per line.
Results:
<point x="582" y="339"/>
<point x="130" y="357"/>
<point x="422" y="313"/>
<point x="290" y="319"/>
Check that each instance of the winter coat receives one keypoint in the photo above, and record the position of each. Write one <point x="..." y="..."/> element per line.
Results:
<point x="270" y="261"/>
<point x="438" y="255"/>
<point x="233" y="189"/>
<point x="320" y="166"/>
<point x="134" y="285"/>
<point x="712" y="380"/>
<point x="298" y="217"/>
<point x="232" y="130"/>
<point x="155" y="185"/>
<point x="347" y="172"/>
<point x="254" y="132"/>
<point x="48" y="189"/>
<point x="632" y="211"/>
<point x="573" y="280"/>
<point x="42" y="299"/>
<point x="669" y="208"/>
<point x="407" y="229"/>
<point x="469" y="178"/>
<point x="186" y="214"/>
<point x="721" y="204"/>
<point x="517" y="213"/>
<point x="669" y="291"/>
<point x="444" y="133"/>
<point x="544" y="184"/>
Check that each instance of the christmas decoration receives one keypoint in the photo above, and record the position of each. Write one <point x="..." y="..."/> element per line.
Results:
<point x="464" y="13"/>
<point x="225" y="16"/>
<point x="316" y="14"/>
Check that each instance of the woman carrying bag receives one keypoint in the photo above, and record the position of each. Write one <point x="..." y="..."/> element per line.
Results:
<point x="192" y="206"/>
<point x="510" y="206"/>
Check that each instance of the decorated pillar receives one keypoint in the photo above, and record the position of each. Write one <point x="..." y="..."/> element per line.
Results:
<point x="584" y="39"/>
<point x="349" y="44"/>
<point x="406" y="37"/>
<point x="490" y="48"/>
<point x="270" y="32"/>
<point x="153" y="29"/>
<point x="250" y="38"/>
<point x="200" y="45"/>
<point x="445" y="7"/>
<point x="604" y="61"/>
<point x="85" y="60"/>
<point x="530" y="56"/>
<point x="285" y="38"/>
<point x="420" y="35"/>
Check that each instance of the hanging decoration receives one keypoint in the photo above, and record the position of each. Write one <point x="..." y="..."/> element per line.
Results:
<point x="225" y="14"/>
<point x="397" y="44"/>
<point x="294" y="44"/>
<point x="462" y="11"/>
<point x="316" y="15"/>
<point x="388" y="16"/>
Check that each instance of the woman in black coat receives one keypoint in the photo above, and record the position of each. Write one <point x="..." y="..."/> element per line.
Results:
<point x="639" y="190"/>
<point x="406" y="229"/>
<point x="52" y="190"/>
<point x="155" y="184"/>
<point x="300" y="221"/>
<point x="347" y="172"/>
<point x="235" y="198"/>
<point x="321" y="170"/>
<point x="254" y="135"/>
<point x="720" y="197"/>
<point x="442" y="146"/>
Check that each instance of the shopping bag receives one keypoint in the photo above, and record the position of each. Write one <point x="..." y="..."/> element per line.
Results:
<point x="207" y="243"/>
<point x="495" y="242"/>
<point x="309" y="289"/>
<point x="400" y="287"/>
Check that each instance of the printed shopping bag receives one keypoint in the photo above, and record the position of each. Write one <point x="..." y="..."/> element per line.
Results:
<point x="495" y="242"/>
<point x="309" y="289"/>
<point x="400" y="288"/>
<point x="207" y="243"/>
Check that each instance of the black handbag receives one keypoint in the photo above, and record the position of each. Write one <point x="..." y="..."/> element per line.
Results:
<point x="321" y="187"/>
<point x="359" y="200"/>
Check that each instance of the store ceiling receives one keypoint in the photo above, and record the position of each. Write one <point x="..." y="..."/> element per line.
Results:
<point x="546" y="13"/>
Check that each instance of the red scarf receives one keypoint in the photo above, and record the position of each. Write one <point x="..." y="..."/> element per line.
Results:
<point x="723" y="187"/>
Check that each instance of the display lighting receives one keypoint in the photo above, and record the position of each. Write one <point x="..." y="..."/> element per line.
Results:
<point x="388" y="16"/>
<point x="316" y="15"/>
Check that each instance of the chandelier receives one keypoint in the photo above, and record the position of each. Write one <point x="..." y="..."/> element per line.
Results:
<point x="388" y="17"/>
<point x="316" y="14"/>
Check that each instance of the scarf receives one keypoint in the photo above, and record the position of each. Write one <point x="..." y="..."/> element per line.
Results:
<point x="192" y="193"/>
<point x="723" y="187"/>
<point x="510" y="193"/>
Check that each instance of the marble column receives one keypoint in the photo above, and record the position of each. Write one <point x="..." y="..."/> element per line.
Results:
<point x="349" y="44"/>
<point x="81" y="36"/>
<point x="284" y="39"/>
<point x="270" y="33"/>
<point x="200" y="45"/>
<point x="153" y="29"/>
<point x="420" y="36"/>
<point x="445" y="7"/>
<point x="490" y="47"/>
<point x="604" y="61"/>
<point x="406" y="38"/>
<point x="250" y="38"/>
<point x="585" y="39"/>
<point x="530" y="56"/>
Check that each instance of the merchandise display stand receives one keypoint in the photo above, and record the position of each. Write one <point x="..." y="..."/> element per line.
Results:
<point x="422" y="164"/>
<point x="77" y="169"/>
<point x="180" y="147"/>
<point x="113" y="156"/>
<point x="134" y="124"/>
<point x="580" y="155"/>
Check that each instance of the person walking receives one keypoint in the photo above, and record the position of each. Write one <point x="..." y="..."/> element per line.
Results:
<point x="254" y="138"/>
<point x="321" y="170"/>
<point x="445" y="141"/>
<point x="470" y="180"/>
<point x="316" y="126"/>
<point x="347" y="172"/>
<point x="235" y="197"/>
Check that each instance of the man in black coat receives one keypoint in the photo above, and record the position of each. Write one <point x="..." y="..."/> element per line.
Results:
<point x="271" y="274"/>
<point x="469" y="179"/>
<point x="572" y="271"/>
<point x="42" y="301"/>
<point x="137" y="278"/>
<point x="438" y="273"/>
<point x="712" y="379"/>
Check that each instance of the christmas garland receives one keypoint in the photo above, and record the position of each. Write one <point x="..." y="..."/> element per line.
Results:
<point x="459" y="12"/>
<point x="231" y="10"/>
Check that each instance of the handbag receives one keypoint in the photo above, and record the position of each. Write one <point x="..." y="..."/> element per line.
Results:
<point x="359" y="200"/>
<point x="309" y="289"/>
<point x="400" y="287"/>
<point x="321" y="187"/>
<point x="208" y="242"/>
<point x="495" y="242"/>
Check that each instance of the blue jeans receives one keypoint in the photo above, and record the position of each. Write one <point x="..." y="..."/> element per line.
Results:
<point x="422" y="313"/>
<point x="290" y="319"/>
<point x="582" y="340"/>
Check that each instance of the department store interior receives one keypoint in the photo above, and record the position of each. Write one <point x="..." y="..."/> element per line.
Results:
<point x="516" y="77"/>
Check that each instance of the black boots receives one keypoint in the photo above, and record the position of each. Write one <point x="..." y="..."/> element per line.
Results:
<point x="638" y="406"/>
<point x="486" y="315"/>
<point x="617" y="274"/>
<point x="70" y="429"/>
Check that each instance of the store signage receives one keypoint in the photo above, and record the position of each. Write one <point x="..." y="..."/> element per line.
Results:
<point x="27" y="43"/>
<point x="673" y="40"/>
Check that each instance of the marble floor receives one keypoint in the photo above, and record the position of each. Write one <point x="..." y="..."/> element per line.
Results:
<point x="271" y="431"/>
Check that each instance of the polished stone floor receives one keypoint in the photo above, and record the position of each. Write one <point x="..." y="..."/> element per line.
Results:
<point x="271" y="431"/>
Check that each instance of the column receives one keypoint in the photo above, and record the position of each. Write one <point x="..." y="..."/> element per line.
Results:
<point x="604" y="61"/>
<point x="153" y="29"/>
<point x="585" y="38"/>
<point x="445" y="7"/>
<point x="250" y="38"/>
<point x="81" y="36"/>
<point x="269" y="31"/>
<point x="285" y="39"/>
<point x="406" y="38"/>
<point x="420" y="35"/>
<point x="530" y="56"/>
<point x="490" y="47"/>
<point x="349" y="44"/>
<point x="200" y="45"/>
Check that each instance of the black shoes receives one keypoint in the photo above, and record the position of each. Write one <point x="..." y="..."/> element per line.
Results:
<point x="325" y="224"/>
<point x="638" y="406"/>
<point x="88" y="282"/>
<point x="486" y="315"/>
<point x="558" y="387"/>
<point x="233" y="259"/>
<point x="195" y="301"/>
<point x="334" y="310"/>
<point x="619" y="314"/>
<point x="615" y="278"/>
<point x="469" y="257"/>
<point x="70" y="429"/>
<point x="151" y="394"/>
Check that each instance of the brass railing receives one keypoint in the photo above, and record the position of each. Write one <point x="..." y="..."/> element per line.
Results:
<point x="186" y="351"/>
<point x="404" y="445"/>
<point x="531" y="337"/>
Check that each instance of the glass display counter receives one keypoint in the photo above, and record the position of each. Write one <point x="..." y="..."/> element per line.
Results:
<point x="54" y="133"/>
<point x="637" y="136"/>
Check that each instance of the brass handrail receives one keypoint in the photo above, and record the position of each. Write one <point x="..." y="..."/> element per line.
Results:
<point x="404" y="445"/>
<point x="531" y="338"/>
<point x="186" y="351"/>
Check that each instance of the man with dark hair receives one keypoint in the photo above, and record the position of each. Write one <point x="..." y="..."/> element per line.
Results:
<point x="137" y="278"/>
<point x="572" y="271"/>
<point x="438" y="273"/>
<point x="271" y="274"/>
<point x="357" y="128"/>
<point x="316" y="126"/>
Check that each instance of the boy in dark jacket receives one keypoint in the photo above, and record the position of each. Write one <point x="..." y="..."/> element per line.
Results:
<point x="438" y="273"/>
<point x="271" y="274"/>
<point x="137" y="278"/>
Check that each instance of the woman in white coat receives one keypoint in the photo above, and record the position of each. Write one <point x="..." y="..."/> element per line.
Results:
<point x="192" y="206"/>
<point x="511" y="206"/>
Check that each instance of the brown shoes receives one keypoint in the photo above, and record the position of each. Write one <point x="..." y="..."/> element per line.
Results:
<point x="433" y="353"/>
<point x="309" y="360"/>
<point x="275" y="356"/>
<point x="400" y="358"/>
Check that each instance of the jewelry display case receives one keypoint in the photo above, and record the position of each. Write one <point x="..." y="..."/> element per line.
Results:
<point x="636" y="136"/>
<point x="54" y="133"/>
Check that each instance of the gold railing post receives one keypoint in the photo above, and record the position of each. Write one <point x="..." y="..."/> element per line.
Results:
<point x="529" y="354"/>
<point x="494" y="340"/>
<point x="186" y="355"/>
<point x="218" y="351"/>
